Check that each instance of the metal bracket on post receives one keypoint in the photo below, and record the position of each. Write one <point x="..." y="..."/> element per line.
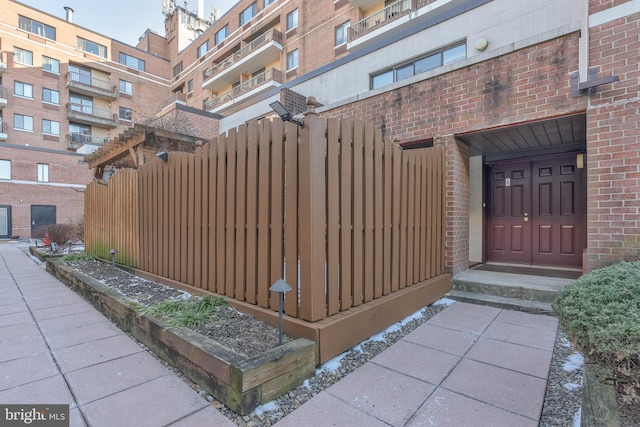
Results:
<point x="590" y="86"/>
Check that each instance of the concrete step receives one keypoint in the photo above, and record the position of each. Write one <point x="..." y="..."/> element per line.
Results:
<point x="528" y="306"/>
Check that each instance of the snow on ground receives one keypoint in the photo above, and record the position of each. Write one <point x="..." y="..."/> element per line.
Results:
<point x="267" y="407"/>
<point x="575" y="361"/>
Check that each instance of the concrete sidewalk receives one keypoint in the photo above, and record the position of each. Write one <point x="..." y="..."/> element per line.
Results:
<point x="56" y="348"/>
<point x="469" y="365"/>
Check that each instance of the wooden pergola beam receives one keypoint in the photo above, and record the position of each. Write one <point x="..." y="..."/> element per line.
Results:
<point x="114" y="152"/>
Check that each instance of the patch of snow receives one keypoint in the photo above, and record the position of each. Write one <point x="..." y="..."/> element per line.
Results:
<point x="571" y="386"/>
<point x="267" y="407"/>
<point x="574" y="362"/>
<point x="331" y="365"/>
<point x="444" y="301"/>
<point x="577" y="418"/>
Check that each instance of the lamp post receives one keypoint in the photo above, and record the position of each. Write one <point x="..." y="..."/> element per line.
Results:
<point x="113" y="257"/>
<point x="280" y="286"/>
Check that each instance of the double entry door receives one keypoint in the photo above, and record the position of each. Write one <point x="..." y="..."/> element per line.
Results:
<point x="536" y="212"/>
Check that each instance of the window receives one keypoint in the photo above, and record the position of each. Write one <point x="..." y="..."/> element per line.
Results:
<point x="428" y="62"/>
<point x="247" y="14"/>
<point x="79" y="133"/>
<point x="50" y="127"/>
<point x="292" y="19"/>
<point x="81" y="104"/>
<point x="190" y="86"/>
<point x="131" y="61"/>
<point x="22" y="56"/>
<point x="36" y="27"/>
<point x="43" y="172"/>
<point x="23" y="89"/>
<point x="177" y="69"/>
<point x="51" y="96"/>
<point x="51" y="65"/>
<point x="221" y="34"/>
<point x="203" y="48"/>
<point x="22" y="122"/>
<point x="92" y="47"/>
<point x="126" y="87"/>
<point x="5" y="169"/>
<point x="341" y="33"/>
<point x="79" y="74"/>
<point x="292" y="59"/>
<point x="268" y="2"/>
<point x="125" y="113"/>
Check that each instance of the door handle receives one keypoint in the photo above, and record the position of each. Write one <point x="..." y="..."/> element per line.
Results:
<point x="526" y="217"/>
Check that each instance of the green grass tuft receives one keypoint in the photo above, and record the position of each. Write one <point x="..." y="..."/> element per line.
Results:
<point x="191" y="312"/>
<point x="77" y="257"/>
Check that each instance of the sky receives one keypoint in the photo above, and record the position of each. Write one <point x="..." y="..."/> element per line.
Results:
<point x="123" y="20"/>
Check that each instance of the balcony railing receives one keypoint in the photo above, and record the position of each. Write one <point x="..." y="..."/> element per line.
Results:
<point x="176" y="97"/>
<point x="272" y="35"/>
<point x="91" y="114"/>
<point x="91" y="85"/>
<point x="77" y="140"/>
<point x="271" y="75"/>
<point x="381" y="17"/>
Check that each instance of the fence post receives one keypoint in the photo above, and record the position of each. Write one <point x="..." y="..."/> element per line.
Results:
<point x="312" y="215"/>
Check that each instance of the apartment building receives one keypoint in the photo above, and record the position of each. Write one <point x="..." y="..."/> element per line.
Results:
<point x="536" y="103"/>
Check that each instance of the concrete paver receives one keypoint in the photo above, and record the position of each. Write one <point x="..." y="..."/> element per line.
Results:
<point x="468" y="365"/>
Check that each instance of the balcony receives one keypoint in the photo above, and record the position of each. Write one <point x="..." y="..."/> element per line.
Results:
<point x="3" y="130"/>
<point x="233" y="99"/>
<point x="3" y="63"/>
<point x="75" y="141"/>
<point x="93" y="86"/>
<point x="263" y="50"/>
<point x="89" y="115"/>
<point x="3" y="96"/>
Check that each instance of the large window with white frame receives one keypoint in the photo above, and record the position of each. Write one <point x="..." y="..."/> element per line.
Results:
<point x="126" y="87"/>
<point x="203" y="48"/>
<point x="36" y="27"/>
<point x="221" y="34"/>
<point x="50" y="96"/>
<point x="131" y="61"/>
<point x="292" y="19"/>
<point x="43" y="172"/>
<point x="92" y="47"/>
<point x="341" y="34"/>
<point x="22" y="122"/>
<point x="24" y="90"/>
<point x="433" y="59"/>
<point x="50" y="127"/>
<point x="22" y="56"/>
<point x="5" y="169"/>
<point x="292" y="60"/>
<point x="51" y="65"/>
<point x="247" y="14"/>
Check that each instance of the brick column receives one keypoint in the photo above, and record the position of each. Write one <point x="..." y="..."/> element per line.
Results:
<point x="456" y="202"/>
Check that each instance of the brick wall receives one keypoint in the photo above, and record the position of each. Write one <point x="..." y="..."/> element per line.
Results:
<point x="613" y="150"/>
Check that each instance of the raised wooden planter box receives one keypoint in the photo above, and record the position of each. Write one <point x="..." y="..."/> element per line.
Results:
<point x="241" y="383"/>
<point x="42" y="255"/>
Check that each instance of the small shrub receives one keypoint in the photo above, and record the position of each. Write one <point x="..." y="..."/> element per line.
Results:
<point x="191" y="312"/>
<point x="601" y="313"/>
<point x="59" y="233"/>
<point x="77" y="257"/>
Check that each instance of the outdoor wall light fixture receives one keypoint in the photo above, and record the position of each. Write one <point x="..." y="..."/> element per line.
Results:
<point x="280" y="286"/>
<point x="113" y="257"/>
<point x="284" y="114"/>
<point x="164" y="156"/>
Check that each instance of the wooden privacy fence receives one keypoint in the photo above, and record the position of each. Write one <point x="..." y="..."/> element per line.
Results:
<point x="343" y="215"/>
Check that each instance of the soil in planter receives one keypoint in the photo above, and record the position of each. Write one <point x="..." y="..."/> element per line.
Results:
<point x="240" y="332"/>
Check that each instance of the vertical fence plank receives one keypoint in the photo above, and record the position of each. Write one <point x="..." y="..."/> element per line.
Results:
<point x="230" y="220"/>
<point x="264" y="172"/>
<point x="204" y="226"/>
<point x="197" y="219"/>
<point x="312" y="219"/>
<point x="378" y="193"/>
<point x="291" y="219"/>
<point x="440" y="209"/>
<point x="221" y="215"/>
<point x="387" y="224"/>
<point x="277" y="205"/>
<point x="411" y="193"/>
<point x="333" y="214"/>
<point x="369" y="243"/>
<point x="424" y="254"/>
<point x="241" y="213"/>
<point x="188" y="187"/>
<point x="404" y="203"/>
<point x="358" y="220"/>
<point x="431" y="258"/>
<point x="163" y="230"/>
<point x="346" y="218"/>
<point x="396" y="212"/>
<point x="183" y="188"/>
<point x="252" y="212"/>
<point x="213" y="218"/>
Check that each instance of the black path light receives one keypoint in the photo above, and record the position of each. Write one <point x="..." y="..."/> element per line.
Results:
<point x="113" y="253"/>
<point x="284" y="114"/>
<point x="280" y="286"/>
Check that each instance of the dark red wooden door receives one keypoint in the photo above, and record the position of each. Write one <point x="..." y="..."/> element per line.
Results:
<point x="536" y="212"/>
<point x="509" y="208"/>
